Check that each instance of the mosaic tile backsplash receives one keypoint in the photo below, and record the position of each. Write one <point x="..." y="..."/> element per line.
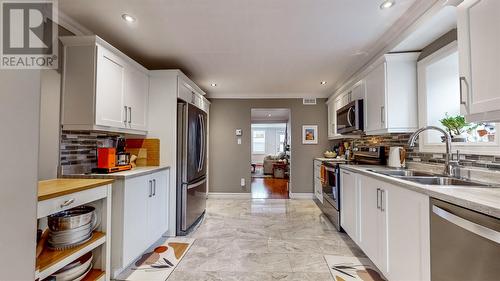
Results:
<point x="482" y="161"/>
<point x="78" y="150"/>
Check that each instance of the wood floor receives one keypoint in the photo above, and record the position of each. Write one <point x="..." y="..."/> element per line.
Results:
<point x="269" y="188"/>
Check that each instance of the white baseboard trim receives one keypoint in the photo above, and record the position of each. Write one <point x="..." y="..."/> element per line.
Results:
<point x="224" y="195"/>
<point x="302" y="196"/>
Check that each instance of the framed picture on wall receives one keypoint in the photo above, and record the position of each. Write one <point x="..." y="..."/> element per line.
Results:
<point x="309" y="134"/>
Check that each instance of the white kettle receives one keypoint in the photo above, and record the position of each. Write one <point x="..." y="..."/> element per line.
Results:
<point x="397" y="157"/>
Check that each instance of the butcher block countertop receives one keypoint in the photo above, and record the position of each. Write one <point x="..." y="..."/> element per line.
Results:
<point x="57" y="187"/>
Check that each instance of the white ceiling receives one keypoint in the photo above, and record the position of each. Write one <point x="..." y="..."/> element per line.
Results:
<point x="250" y="48"/>
<point x="276" y="114"/>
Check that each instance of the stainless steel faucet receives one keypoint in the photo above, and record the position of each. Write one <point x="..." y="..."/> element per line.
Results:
<point x="449" y="163"/>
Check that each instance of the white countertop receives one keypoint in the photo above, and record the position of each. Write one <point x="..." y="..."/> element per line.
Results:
<point x="134" y="172"/>
<point x="481" y="199"/>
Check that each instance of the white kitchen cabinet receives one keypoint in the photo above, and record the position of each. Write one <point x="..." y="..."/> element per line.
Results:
<point x="134" y="225"/>
<point x="332" y="119"/>
<point x="394" y="229"/>
<point x="349" y="203"/>
<point x="391" y="95"/>
<point x="318" y="187"/>
<point x="478" y="45"/>
<point x="109" y="97"/>
<point x="102" y="89"/>
<point x="157" y="206"/>
<point x="136" y="98"/>
<point x="370" y="218"/>
<point x="140" y="216"/>
<point x="408" y="234"/>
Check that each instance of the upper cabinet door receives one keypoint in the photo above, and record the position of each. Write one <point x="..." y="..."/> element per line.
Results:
<point x="109" y="101"/>
<point x="358" y="92"/>
<point x="479" y="45"/>
<point x="375" y="99"/>
<point x="136" y="98"/>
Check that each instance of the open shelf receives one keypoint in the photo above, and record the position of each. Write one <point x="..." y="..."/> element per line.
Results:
<point x="94" y="275"/>
<point x="51" y="261"/>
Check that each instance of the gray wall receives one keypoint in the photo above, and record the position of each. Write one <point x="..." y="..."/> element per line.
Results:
<point x="229" y="162"/>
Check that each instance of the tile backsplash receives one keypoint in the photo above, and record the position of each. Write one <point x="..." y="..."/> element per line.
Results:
<point x="388" y="140"/>
<point x="78" y="150"/>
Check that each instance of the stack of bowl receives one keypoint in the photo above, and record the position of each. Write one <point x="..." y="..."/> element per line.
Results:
<point x="71" y="228"/>
<point x="75" y="271"/>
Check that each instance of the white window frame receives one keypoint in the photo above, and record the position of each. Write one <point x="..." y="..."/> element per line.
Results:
<point x="490" y="148"/>
<point x="253" y="146"/>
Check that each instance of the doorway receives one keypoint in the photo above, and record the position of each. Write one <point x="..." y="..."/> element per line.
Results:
<point x="270" y="153"/>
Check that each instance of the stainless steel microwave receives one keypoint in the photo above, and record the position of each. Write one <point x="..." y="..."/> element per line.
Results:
<point x="350" y="118"/>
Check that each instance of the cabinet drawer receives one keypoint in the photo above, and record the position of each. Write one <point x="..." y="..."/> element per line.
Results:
<point x="61" y="203"/>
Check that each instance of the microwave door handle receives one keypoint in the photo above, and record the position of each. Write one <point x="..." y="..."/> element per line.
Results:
<point x="475" y="228"/>
<point x="349" y="116"/>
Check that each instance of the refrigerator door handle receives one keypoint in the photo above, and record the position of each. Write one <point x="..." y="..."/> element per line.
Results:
<point x="196" y="184"/>
<point x="204" y="141"/>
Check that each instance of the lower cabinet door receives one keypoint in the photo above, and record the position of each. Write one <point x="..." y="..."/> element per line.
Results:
<point x="135" y="223"/>
<point x="408" y="248"/>
<point x="369" y="217"/>
<point x="348" y="204"/>
<point x="157" y="207"/>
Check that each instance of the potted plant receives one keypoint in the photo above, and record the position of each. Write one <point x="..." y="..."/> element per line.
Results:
<point x="457" y="126"/>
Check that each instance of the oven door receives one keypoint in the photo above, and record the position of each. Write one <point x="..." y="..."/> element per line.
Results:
<point x="331" y="187"/>
<point x="350" y="118"/>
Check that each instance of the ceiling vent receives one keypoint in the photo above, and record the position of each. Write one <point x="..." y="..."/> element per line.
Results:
<point x="309" y="101"/>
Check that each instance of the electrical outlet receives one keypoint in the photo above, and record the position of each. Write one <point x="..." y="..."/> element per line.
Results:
<point x="242" y="182"/>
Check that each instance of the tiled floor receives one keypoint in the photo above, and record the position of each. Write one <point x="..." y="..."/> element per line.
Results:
<point x="263" y="239"/>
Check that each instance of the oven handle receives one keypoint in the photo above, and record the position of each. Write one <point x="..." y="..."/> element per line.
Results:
<point x="475" y="228"/>
<point x="329" y="169"/>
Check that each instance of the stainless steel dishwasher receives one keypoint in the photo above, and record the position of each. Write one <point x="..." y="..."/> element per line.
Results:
<point x="465" y="245"/>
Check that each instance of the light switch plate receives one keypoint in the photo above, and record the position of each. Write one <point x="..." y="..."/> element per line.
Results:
<point x="239" y="140"/>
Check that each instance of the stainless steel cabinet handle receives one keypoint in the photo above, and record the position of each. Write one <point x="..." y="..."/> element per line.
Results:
<point x="473" y="227"/>
<point x="382" y="194"/>
<point x="378" y="197"/>
<point x="464" y="80"/>
<point x="150" y="188"/>
<point x="126" y="114"/>
<point x="67" y="202"/>
<point x="382" y="114"/>
<point x="154" y="187"/>
<point x="130" y="114"/>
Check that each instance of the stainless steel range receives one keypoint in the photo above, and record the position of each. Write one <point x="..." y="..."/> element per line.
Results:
<point x="328" y="198"/>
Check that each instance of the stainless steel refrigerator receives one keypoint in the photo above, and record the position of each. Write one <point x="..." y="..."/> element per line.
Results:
<point x="191" y="165"/>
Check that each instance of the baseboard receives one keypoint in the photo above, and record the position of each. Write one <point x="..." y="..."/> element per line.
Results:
<point x="224" y="195"/>
<point x="302" y="196"/>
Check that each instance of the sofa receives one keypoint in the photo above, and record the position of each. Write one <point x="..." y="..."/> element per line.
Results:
<point x="270" y="160"/>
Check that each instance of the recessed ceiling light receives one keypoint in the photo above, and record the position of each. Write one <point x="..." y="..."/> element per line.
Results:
<point x="213" y="85"/>
<point x="323" y="82"/>
<point x="128" y="18"/>
<point x="387" y="4"/>
<point x="269" y="115"/>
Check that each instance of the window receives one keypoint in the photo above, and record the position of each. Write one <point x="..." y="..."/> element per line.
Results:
<point x="439" y="105"/>
<point x="281" y="142"/>
<point x="259" y="141"/>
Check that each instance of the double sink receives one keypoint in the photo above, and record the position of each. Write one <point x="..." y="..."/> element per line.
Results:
<point x="429" y="178"/>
